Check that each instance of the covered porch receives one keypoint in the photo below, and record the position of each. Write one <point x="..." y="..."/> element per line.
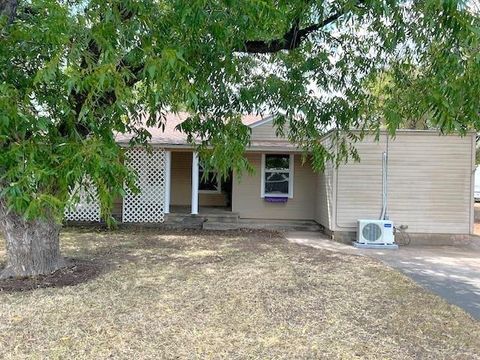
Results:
<point x="171" y="182"/>
<point x="174" y="193"/>
<point x="189" y="191"/>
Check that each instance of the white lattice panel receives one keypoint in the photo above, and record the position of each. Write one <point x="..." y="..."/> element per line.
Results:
<point x="88" y="206"/>
<point x="149" y="205"/>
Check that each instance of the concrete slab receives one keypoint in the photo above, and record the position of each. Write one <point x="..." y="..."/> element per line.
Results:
<point x="451" y="272"/>
<point x="375" y="246"/>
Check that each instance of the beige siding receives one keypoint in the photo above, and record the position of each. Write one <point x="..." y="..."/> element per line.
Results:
<point x="324" y="199"/>
<point x="181" y="178"/>
<point x="266" y="132"/>
<point x="117" y="208"/>
<point x="181" y="183"/>
<point x="359" y="186"/>
<point x="247" y="201"/>
<point x="429" y="184"/>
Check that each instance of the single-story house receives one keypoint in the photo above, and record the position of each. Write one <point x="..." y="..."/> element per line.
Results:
<point x="430" y="184"/>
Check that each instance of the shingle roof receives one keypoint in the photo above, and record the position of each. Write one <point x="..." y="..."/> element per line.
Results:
<point x="171" y="136"/>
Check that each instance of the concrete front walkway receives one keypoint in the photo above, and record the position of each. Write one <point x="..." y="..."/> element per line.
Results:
<point x="451" y="272"/>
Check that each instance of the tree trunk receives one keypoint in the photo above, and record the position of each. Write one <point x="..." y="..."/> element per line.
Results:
<point x="9" y="9"/>
<point x="32" y="246"/>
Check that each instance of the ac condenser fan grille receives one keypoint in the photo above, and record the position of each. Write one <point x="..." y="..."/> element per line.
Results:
<point x="372" y="232"/>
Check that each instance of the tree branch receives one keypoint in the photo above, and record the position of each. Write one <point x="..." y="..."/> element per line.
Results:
<point x="94" y="53"/>
<point x="292" y="38"/>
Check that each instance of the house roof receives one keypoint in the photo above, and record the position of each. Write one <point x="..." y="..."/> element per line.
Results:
<point x="168" y="135"/>
<point x="171" y="136"/>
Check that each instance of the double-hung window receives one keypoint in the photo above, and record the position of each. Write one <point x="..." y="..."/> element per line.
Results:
<point x="277" y="175"/>
<point x="208" y="183"/>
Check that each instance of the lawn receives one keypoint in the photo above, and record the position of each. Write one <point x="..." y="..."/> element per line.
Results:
<point x="250" y="295"/>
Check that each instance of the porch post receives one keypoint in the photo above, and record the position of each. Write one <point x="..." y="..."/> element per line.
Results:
<point x="194" y="183"/>
<point x="168" y="172"/>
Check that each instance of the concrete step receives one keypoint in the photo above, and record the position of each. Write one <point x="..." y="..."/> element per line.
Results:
<point x="221" y="217"/>
<point x="219" y="226"/>
<point x="281" y="225"/>
<point x="183" y="221"/>
<point x="276" y="225"/>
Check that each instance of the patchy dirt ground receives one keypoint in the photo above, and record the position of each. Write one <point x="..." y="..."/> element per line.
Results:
<point x="229" y="295"/>
<point x="76" y="272"/>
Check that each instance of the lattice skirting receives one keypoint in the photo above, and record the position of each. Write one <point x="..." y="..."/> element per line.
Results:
<point x="88" y="206"/>
<point x="149" y="205"/>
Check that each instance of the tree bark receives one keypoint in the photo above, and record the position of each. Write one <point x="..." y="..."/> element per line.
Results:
<point x="32" y="246"/>
<point x="9" y="9"/>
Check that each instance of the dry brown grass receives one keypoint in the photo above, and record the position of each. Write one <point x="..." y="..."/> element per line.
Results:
<point x="233" y="295"/>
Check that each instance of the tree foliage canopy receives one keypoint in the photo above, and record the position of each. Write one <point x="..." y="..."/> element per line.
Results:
<point x="73" y="73"/>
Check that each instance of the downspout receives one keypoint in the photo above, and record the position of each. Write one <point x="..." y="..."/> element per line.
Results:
<point x="384" y="214"/>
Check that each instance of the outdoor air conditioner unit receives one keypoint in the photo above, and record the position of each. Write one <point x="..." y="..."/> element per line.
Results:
<point x="379" y="232"/>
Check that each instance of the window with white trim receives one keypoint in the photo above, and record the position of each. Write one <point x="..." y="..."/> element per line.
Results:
<point x="277" y="175"/>
<point x="208" y="182"/>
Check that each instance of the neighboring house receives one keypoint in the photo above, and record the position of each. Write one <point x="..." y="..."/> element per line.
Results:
<point x="430" y="184"/>
<point x="476" y="192"/>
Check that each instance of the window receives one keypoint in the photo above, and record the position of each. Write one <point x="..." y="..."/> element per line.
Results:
<point x="208" y="183"/>
<point x="277" y="175"/>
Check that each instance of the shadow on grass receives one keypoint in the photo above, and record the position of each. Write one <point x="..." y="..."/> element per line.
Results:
<point x="76" y="272"/>
<point x="92" y="252"/>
